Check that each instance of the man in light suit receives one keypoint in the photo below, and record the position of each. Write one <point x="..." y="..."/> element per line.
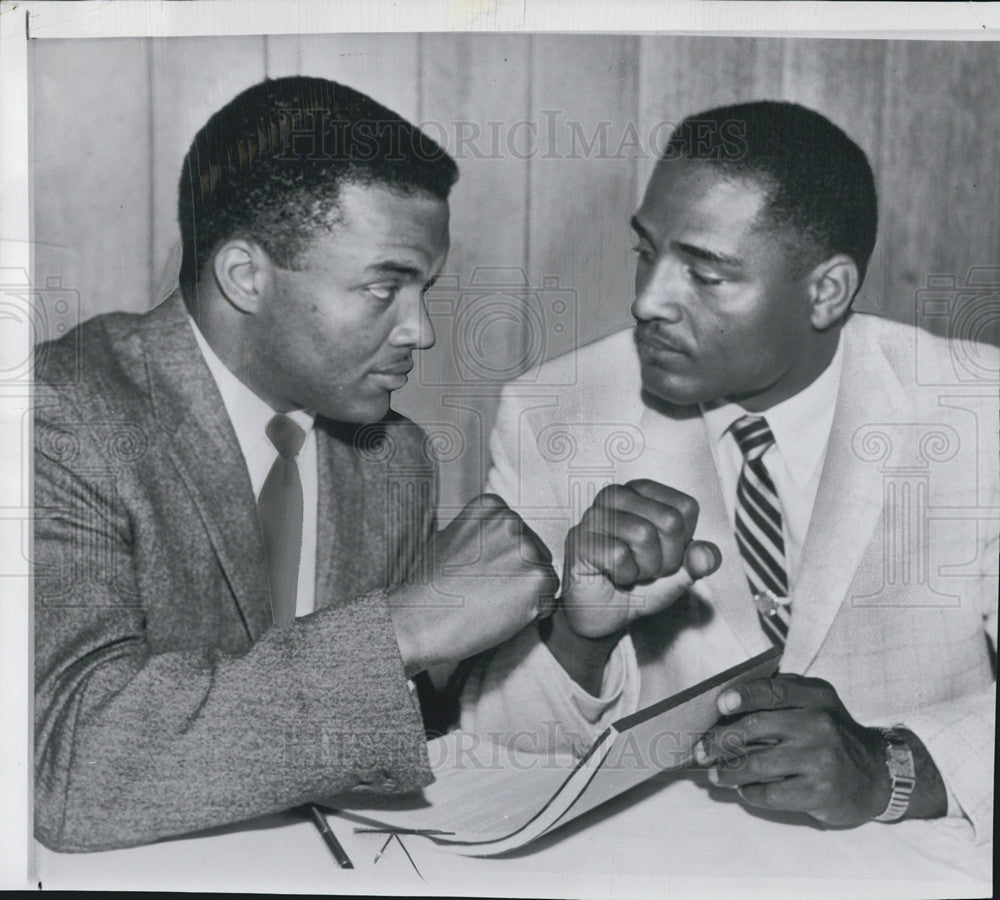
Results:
<point x="236" y="568"/>
<point x="844" y="468"/>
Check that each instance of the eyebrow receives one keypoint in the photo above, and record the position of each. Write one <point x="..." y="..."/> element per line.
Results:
<point x="690" y="249"/>
<point x="396" y="268"/>
<point x="709" y="255"/>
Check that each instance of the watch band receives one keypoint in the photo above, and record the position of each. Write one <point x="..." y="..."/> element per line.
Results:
<point x="899" y="762"/>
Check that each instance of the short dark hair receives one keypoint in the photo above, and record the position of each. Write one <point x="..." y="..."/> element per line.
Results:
<point x="268" y="166"/>
<point x="820" y="187"/>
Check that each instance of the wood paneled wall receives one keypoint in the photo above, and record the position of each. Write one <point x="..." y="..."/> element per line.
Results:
<point x="554" y="135"/>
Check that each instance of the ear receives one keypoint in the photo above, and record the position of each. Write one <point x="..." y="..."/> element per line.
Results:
<point x="832" y="286"/>
<point x="243" y="273"/>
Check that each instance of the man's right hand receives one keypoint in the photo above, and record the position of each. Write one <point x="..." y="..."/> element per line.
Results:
<point x="631" y="555"/>
<point x="485" y="576"/>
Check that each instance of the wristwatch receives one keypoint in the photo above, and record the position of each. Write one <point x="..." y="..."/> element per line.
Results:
<point x="899" y="762"/>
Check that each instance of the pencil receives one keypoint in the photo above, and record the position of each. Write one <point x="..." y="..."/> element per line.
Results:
<point x="319" y="820"/>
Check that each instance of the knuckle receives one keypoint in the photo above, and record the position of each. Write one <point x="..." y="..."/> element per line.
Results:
<point x="598" y="518"/>
<point x="576" y="540"/>
<point x="777" y="690"/>
<point x="608" y="494"/>
<point x="826" y="726"/>
<point x="673" y="522"/>
<point x="750" y="764"/>
<point x="644" y="532"/>
<point x="823" y="787"/>
<point x="825" y="759"/>
<point x="620" y="555"/>
<point x="686" y="505"/>
<point x="492" y="501"/>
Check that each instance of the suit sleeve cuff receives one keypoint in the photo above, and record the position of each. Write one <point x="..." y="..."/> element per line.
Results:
<point x="959" y="736"/>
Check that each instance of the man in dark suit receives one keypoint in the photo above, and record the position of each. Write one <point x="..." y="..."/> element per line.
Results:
<point x="237" y="568"/>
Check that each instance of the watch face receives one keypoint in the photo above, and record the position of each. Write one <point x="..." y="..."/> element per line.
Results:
<point x="899" y="757"/>
<point x="897" y="753"/>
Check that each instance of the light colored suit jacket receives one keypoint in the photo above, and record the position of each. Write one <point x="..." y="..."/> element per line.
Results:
<point x="895" y="598"/>
<point x="165" y="701"/>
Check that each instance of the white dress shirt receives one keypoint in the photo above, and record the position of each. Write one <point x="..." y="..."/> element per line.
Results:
<point x="250" y="415"/>
<point x="801" y="428"/>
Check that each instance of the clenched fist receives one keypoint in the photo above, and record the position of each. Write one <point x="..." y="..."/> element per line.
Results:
<point x="631" y="555"/>
<point x="486" y="575"/>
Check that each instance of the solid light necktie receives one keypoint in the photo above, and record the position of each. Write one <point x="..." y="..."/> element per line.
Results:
<point x="759" y="528"/>
<point x="279" y="508"/>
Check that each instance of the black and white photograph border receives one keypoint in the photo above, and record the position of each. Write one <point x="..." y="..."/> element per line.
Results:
<point x="555" y="114"/>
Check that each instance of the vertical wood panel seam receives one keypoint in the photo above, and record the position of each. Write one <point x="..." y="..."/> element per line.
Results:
<point x="882" y="233"/>
<point x="529" y="112"/>
<point x="784" y="56"/>
<point x="633" y="186"/>
<point x="147" y="51"/>
<point x="33" y="163"/>
<point x="421" y="86"/>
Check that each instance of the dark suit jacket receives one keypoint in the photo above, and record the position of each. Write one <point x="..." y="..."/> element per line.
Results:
<point x="164" y="699"/>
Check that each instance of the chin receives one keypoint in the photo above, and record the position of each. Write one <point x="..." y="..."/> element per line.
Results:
<point x="359" y="413"/>
<point x="674" y="394"/>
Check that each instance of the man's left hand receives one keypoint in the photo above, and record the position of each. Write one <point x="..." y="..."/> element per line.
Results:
<point x="791" y="745"/>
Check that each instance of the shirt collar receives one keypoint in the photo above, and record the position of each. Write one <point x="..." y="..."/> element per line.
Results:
<point x="248" y="413"/>
<point x="800" y="425"/>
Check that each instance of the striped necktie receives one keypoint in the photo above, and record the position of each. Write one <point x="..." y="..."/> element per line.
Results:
<point x="758" y="528"/>
<point x="279" y="508"/>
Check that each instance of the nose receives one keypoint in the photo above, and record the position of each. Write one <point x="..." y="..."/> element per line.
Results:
<point x="414" y="328"/>
<point x="658" y="292"/>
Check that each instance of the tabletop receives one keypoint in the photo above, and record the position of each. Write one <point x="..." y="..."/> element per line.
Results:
<point x="674" y="836"/>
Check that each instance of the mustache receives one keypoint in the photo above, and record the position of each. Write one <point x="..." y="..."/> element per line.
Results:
<point x="653" y="335"/>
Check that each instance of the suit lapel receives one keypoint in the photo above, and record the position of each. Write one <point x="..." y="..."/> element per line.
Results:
<point x="369" y="510"/>
<point x="849" y="499"/>
<point x="327" y="527"/>
<point x="341" y="516"/>
<point x="202" y="444"/>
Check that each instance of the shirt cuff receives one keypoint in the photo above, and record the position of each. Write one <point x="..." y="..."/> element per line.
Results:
<point x="521" y="696"/>
<point x="615" y="699"/>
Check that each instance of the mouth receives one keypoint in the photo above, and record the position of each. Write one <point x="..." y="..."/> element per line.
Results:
<point x="402" y="368"/>
<point x="394" y="377"/>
